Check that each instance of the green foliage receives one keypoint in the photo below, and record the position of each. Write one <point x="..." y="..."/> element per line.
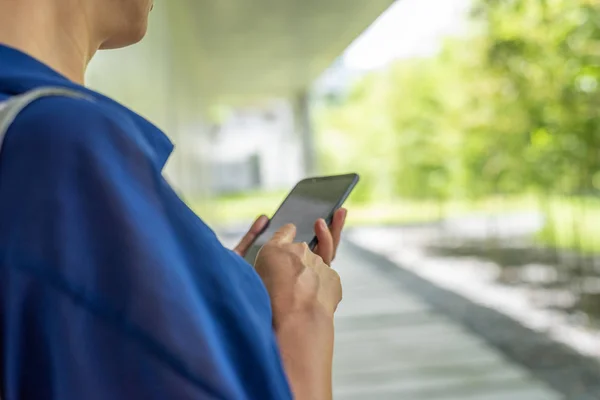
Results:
<point x="511" y="108"/>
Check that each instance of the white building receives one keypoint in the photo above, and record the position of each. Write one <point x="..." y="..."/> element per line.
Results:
<point x="254" y="149"/>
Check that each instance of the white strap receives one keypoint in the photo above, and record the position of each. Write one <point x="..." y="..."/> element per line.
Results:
<point x="10" y="109"/>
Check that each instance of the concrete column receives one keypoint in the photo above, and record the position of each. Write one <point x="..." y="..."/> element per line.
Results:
<point x="185" y="114"/>
<point x="304" y="128"/>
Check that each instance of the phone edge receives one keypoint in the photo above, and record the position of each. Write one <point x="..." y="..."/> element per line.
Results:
<point x="339" y="204"/>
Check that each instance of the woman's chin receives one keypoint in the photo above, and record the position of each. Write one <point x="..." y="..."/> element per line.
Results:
<point x="118" y="42"/>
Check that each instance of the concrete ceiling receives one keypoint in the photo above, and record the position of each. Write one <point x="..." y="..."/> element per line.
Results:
<point x="249" y="49"/>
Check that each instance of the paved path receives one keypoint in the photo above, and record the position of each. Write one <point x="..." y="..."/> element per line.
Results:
<point x="391" y="345"/>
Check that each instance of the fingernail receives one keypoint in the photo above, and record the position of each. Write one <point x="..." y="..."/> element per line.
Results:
<point x="323" y="224"/>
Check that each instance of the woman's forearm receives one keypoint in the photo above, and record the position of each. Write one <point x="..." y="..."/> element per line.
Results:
<point x="307" y="356"/>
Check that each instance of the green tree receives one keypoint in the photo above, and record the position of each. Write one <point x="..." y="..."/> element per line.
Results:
<point x="510" y="108"/>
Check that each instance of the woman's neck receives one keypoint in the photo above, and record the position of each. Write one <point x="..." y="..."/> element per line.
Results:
<point x="50" y="32"/>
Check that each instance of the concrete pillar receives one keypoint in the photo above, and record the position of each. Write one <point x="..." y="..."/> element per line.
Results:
<point x="304" y="127"/>
<point x="184" y="103"/>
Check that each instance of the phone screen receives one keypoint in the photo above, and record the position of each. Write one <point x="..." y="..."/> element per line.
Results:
<point x="310" y="200"/>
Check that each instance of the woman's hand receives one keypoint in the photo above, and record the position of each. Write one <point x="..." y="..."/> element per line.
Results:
<point x="328" y="237"/>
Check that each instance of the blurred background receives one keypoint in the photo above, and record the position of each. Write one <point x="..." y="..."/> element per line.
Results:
<point x="475" y="127"/>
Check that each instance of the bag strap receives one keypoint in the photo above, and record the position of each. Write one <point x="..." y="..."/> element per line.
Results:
<point x="10" y="109"/>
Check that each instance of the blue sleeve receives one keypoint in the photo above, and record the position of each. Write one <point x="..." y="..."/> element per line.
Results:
<point x="110" y="287"/>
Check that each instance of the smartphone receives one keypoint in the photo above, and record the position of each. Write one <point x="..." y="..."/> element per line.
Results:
<point x="310" y="200"/>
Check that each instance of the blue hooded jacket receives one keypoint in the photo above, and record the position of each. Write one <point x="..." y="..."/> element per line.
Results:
<point x="110" y="286"/>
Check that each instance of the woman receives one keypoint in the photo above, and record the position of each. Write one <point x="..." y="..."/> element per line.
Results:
<point x="110" y="287"/>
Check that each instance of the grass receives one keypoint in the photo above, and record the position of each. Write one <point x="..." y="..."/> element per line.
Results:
<point x="572" y="223"/>
<point x="228" y="210"/>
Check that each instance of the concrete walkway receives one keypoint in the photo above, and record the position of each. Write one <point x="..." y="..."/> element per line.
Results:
<point x="391" y="345"/>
